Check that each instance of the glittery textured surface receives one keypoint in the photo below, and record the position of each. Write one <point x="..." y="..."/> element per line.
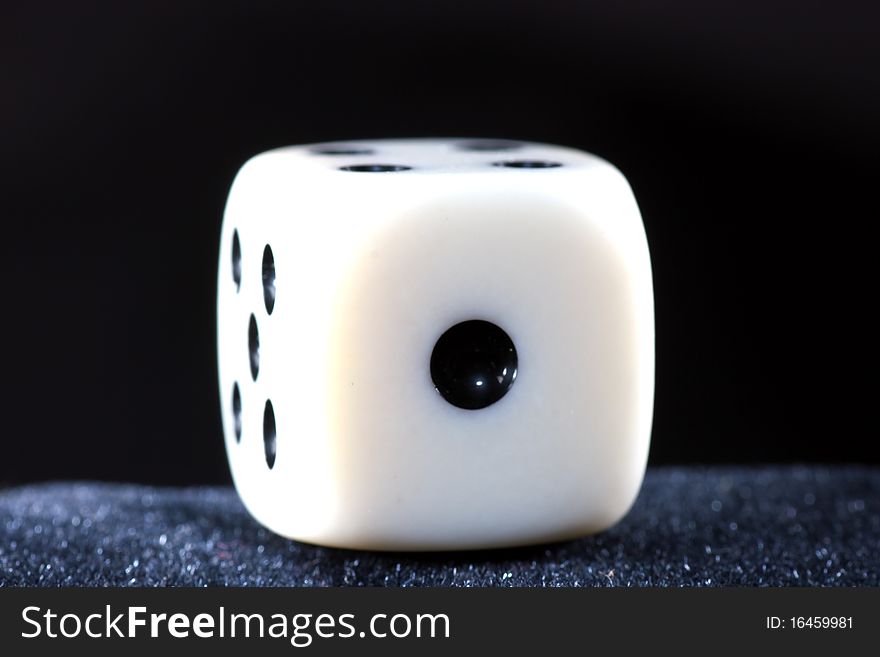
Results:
<point x="691" y="527"/>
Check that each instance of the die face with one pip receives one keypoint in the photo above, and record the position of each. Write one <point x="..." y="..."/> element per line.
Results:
<point x="434" y="344"/>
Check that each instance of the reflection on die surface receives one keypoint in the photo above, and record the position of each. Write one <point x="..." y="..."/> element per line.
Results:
<point x="434" y="344"/>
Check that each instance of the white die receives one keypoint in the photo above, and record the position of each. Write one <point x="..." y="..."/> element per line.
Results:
<point x="347" y="262"/>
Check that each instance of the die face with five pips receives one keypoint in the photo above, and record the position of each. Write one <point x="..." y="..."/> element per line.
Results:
<point x="434" y="344"/>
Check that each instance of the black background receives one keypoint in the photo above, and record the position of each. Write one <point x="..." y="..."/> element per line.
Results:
<point x="749" y="132"/>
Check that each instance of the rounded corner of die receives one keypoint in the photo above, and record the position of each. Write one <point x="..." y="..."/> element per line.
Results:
<point x="255" y="162"/>
<point x="629" y="496"/>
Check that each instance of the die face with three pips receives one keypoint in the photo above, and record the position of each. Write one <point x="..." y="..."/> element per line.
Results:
<point x="434" y="344"/>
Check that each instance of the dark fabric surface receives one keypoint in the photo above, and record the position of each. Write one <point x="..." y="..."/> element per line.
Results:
<point x="690" y="527"/>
